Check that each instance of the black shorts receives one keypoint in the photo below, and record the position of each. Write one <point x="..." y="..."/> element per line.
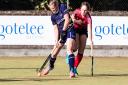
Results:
<point x="82" y="31"/>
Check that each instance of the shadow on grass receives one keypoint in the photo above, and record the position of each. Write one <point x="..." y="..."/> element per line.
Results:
<point x="50" y="78"/>
<point x="16" y="68"/>
<point x="103" y="75"/>
<point x="40" y="79"/>
<point x="19" y="79"/>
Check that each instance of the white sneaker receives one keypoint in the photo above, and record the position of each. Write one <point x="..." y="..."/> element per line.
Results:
<point x="46" y="70"/>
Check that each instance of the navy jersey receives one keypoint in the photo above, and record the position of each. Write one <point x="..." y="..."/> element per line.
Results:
<point x="58" y="18"/>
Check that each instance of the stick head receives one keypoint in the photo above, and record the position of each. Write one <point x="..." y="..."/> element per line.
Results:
<point x="39" y="74"/>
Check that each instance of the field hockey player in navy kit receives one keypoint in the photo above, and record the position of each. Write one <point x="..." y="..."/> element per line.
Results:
<point x="63" y="32"/>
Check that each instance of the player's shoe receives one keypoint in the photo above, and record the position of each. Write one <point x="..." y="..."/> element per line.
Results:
<point x="46" y="70"/>
<point x="75" y="71"/>
<point x="72" y="74"/>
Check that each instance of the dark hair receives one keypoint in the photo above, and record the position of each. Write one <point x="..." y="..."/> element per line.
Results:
<point x="86" y="4"/>
<point x="49" y="1"/>
<point x="55" y="1"/>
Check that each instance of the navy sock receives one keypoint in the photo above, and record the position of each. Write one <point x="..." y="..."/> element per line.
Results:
<point x="52" y="61"/>
<point x="71" y="62"/>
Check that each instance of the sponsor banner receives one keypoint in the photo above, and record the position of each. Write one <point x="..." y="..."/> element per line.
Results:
<point x="110" y="30"/>
<point x="26" y="30"/>
<point x="38" y="30"/>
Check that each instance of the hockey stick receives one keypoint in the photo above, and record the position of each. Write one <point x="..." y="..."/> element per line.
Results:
<point x="92" y="62"/>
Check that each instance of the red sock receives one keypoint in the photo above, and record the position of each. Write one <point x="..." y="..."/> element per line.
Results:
<point x="78" y="59"/>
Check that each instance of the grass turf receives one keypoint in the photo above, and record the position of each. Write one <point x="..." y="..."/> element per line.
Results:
<point x="22" y="71"/>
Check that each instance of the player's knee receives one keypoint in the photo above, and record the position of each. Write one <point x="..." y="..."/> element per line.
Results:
<point x="74" y="50"/>
<point x="81" y="51"/>
<point x="60" y="45"/>
<point x="70" y="51"/>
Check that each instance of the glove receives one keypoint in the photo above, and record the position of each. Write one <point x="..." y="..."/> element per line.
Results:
<point x="63" y="36"/>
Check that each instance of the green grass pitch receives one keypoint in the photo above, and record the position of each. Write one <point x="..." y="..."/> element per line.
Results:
<point x="22" y="71"/>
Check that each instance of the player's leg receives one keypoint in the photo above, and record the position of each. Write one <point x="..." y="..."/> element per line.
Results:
<point x="70" y="43"/>
<point x="71" y="35"/>
<point x="54" y="54"/>
<point x="52" y="59"/>
<point x="82" y="44"/>
<point x="75" y="47"/>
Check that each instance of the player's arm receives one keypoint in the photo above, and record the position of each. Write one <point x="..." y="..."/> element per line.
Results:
<point x="80" y="22"/>
<point x="56" y="33"/>
<point x="64" y="30"/>
<point x="66" y="22"/>
<point x="66" y="17"/>
<point x="89" y="26"/>
<point x="73" y="18"/>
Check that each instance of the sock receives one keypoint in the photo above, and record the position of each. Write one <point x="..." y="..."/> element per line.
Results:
<point x="52" y="61"/>
<point x="67" y="59"/>
<point x="71" y="62"/>
<point x="78" y="59"/>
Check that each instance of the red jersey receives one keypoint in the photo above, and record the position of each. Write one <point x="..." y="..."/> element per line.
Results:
<point x="85" y="19"/>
